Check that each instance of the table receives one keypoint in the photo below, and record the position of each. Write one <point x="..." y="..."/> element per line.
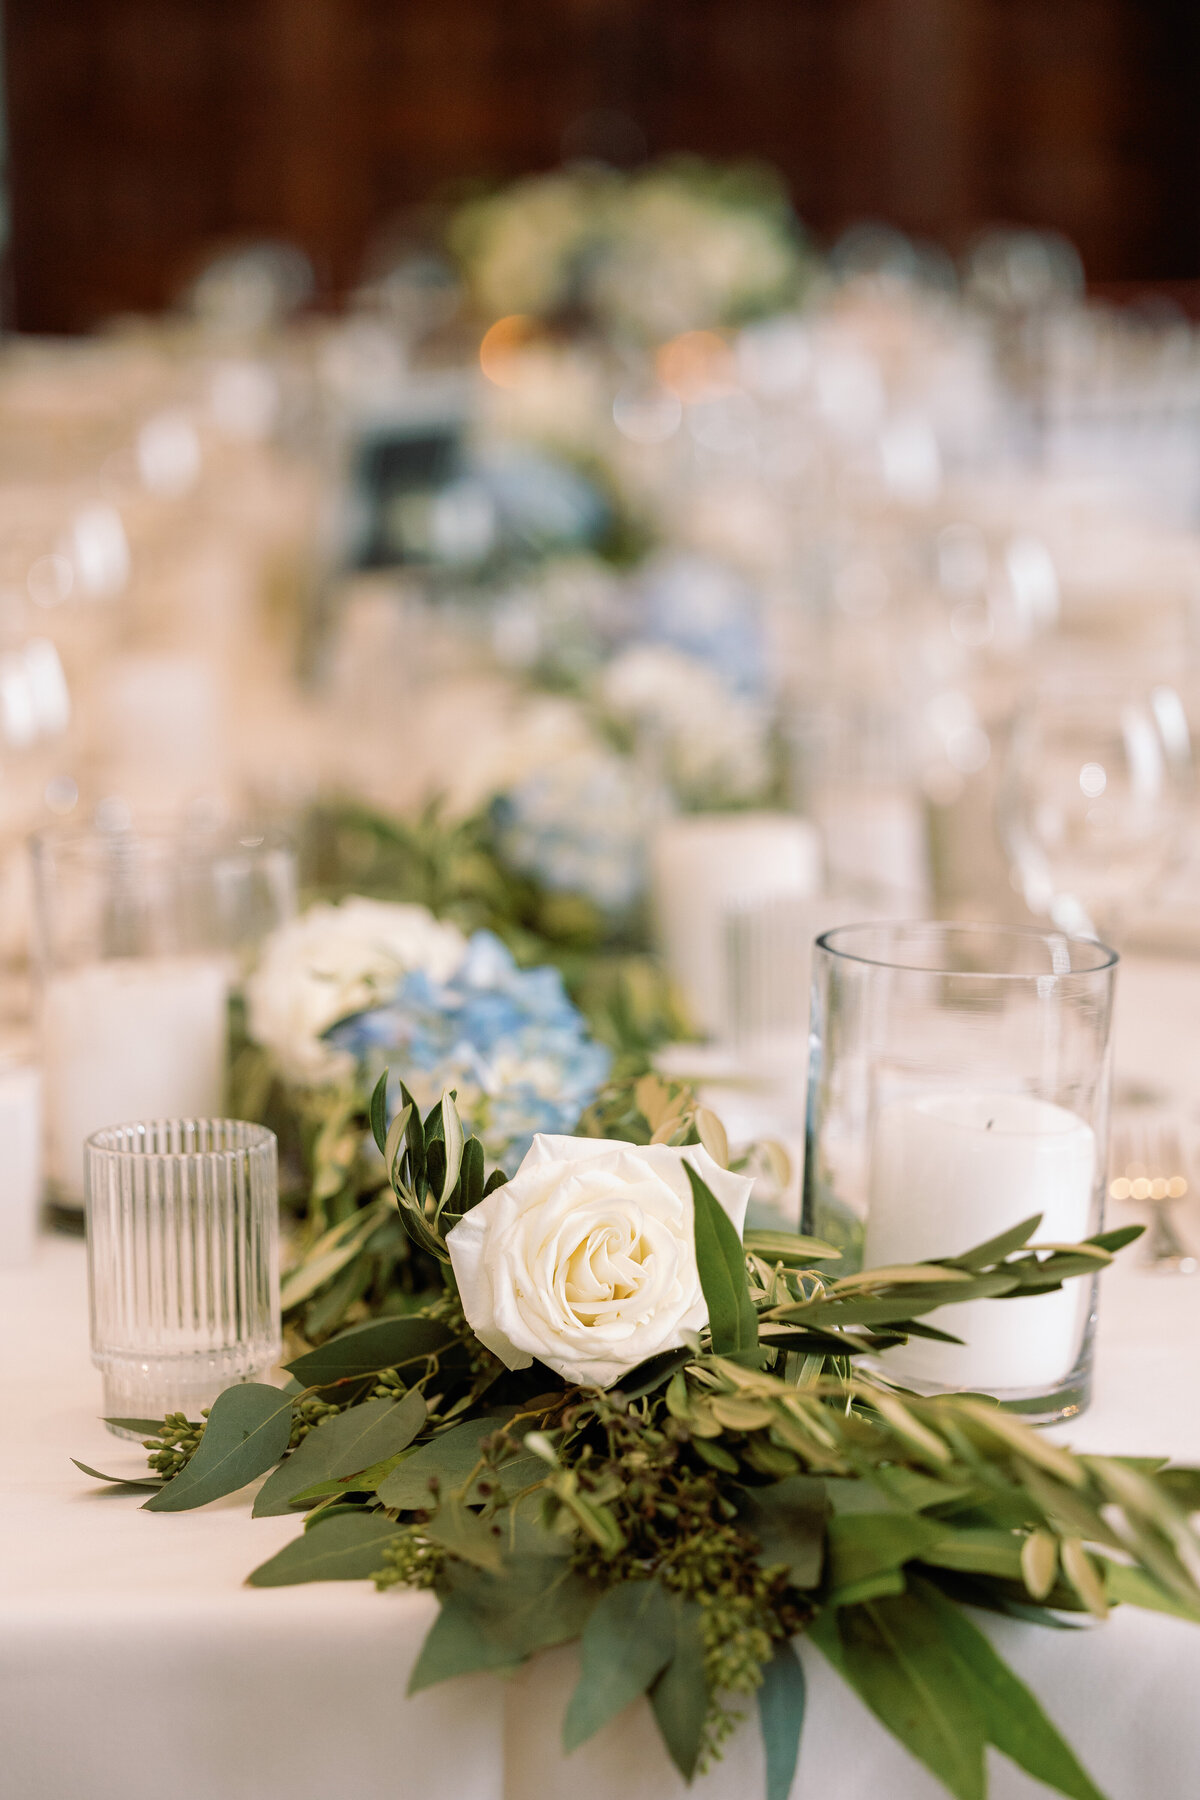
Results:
<point x="133" y="1662"/>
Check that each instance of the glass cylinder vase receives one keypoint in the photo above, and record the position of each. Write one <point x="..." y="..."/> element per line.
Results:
<point x="958" y="1084"/>
<point x="183" y="1276"/>
<point x="140" y="936"/>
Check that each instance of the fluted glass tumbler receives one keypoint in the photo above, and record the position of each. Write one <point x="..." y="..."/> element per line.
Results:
<point x="183" y="1268"/>
<point x="958" y="1085"/>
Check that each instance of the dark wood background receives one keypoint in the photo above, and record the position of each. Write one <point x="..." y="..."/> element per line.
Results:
<point x="144" y="131"/>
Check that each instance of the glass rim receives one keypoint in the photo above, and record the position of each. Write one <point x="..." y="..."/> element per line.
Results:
<point x="157" y="834"/>
<point x="259" y="1137"/>
<point x="1105" y="958"/>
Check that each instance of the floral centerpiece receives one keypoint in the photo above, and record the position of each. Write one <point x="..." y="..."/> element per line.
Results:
<point x="673" y="246"/>
<point x="626" y="1421"/>
<point x="348" y="987"/>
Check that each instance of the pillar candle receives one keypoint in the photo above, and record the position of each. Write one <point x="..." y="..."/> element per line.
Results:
<point x="704" y="865"/>
<point x="130" y="1039"/>
<point x="950" y="1170"/>
<point x="20" y="1160"/>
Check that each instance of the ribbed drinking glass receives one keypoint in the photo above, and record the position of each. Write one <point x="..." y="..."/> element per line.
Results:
<point x="183" y="1278"/>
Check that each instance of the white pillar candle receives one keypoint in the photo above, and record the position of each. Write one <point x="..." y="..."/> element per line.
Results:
<point x="950" y="1170"/>
<point x="21" y="1162"/>
<point x="130" y="1039"/>
<point x="707" y="863"/>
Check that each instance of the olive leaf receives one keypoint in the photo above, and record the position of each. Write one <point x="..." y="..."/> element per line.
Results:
<point x="721" y="1262"/>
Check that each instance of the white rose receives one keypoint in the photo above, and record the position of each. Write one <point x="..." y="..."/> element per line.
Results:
<point x="334" y="961"/>
<point x="586" y="1259"/>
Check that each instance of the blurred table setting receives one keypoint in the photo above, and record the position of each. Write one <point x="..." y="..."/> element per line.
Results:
<point x="499" y="705"/>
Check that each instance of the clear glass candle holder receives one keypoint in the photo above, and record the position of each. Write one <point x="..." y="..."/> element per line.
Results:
<point x="958" y="1084"/>
<point x="183" y="1264"/>
<point x="140" y="937"/>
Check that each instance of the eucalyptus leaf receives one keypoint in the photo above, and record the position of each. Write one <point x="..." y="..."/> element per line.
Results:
<point x="788" y="1518"/>
<point x="721" y="1262"/>
<point x="448" y="1459"/>
<point x="144" y="1427"/>
<point x="348" y="1546"/>
<point x="135" y="1481"/>
<point x="465" y="1534"/>
<point x="368" y="1349"/>
<point x="781" y="1700"/>
<point x="628" y="1640"/>
<point x="248" y="1430"/>
<point x="455" y="1645"/>
<point x="679" y="1696"/>
<point x="533" y="1603"/>
<point x="342" y="1446"/>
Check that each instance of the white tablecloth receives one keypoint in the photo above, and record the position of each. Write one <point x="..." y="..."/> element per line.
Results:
<point x="133" y="1662"/>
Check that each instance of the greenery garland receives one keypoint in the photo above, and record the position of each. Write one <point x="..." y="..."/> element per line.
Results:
<point x="750" y="1487"/>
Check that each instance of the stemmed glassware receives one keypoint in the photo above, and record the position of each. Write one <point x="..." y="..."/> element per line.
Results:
<point x="1095" y="801"/>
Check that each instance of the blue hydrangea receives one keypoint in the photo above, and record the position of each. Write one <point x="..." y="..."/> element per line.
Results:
<point x="508" y="1039"/>
<point x="579" y="825"/>
<point x="707" y="610"/>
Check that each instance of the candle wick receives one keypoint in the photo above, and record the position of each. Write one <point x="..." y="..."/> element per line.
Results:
<point x="989" y="1124"/>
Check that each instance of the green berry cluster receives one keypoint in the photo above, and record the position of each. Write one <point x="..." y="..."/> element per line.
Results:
<point x="410" y="1560"/>
<point x="176" y="1444"/>
<point x="678" y="1523"/>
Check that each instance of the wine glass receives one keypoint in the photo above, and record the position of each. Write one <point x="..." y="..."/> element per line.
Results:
<point x="1095" y="799"/>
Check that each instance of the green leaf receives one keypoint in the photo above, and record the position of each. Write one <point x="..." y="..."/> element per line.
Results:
<point x="721" y="1262"/>
<point x="342" y="1446"/>
<point x="1011" y="1716"/>
<point x="979" y="1551"/>
<point x="892" y="1653"/>
<point x="997" y="1248"/>
<point x="471" y="1176"/>
<point x="367" y="1349"/>
<point x="496" y="1179"/>
<point x="1115" y="1240"/>
<point x="788" y="1519"/>
<point x="377" y="1112"/>
<point x="628" y="1640"/>
<point x="532" y="1604"/>
<point x="455" y="1142"/>
<point x="864" y="1545"/>
<point x="679" y="1696"/>
<point x="348" y="1546"/>
<point x="455" y="1645"/>
<point x="151" y="1481"/>
<point x="330" y="1254"/>
<point x="465" y="1535"/>
<point x="143" y="1427"/>
<point x="450" y="1458"/>
<point x="781" y="1718"/>
<point x="789" y="1248"/>
<point x="396" y="1141"/>
<point x="1125" y="1583"/>
<point x="650" y="1375"/>
<point x="248" y="1430"/>
<point x="907" y="1303"/>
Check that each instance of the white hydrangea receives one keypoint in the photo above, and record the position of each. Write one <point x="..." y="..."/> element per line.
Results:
<point x="715" y="743"/>
<point x="333" y="961"/>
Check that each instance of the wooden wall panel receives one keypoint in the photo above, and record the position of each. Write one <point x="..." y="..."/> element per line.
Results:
<point x="143" y="131"/>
